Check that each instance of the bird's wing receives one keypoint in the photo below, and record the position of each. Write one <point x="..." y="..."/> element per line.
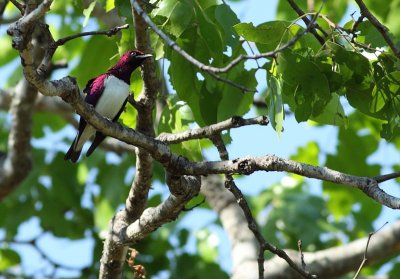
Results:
<point x="94" y="88"/>
<point x="100" y="136"/>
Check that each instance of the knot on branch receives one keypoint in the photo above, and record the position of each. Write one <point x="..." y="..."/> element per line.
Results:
<point x="20" y="36"/>
<point x="184" y="186"/>
<point x="265" y="120"/>
<point x="246" y="166"/>
<point x="69" y="89"/>
<point x="237" y="121"/>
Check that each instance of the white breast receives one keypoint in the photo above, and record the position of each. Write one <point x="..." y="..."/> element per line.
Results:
<point x="115" y="93"/>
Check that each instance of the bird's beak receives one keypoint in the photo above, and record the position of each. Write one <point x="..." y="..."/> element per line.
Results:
<point x="144" y="56"/>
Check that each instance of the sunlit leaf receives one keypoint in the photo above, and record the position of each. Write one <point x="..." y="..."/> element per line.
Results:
<point x="87" y="12"/>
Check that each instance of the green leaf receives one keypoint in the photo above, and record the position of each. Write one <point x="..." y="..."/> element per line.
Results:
<point x="113" y="175"/>
<point x="124" y="9"/>
<point x="127" y="40"/>
<point x="46" y="119"/>
<point x="207" y="246"/>
<point x="276" y="112"/>
<point x="91" y="64"/>
<point x="82" y="173"/>
<point x="305" y="88"/>
<point x="193" y="266"/>
<point x="211" y="35"/>
<point x="157" y="44"/>
<point x="7" y="53"/>
<point x="333" y="113"/>
<point x="358" y="63"/>
<point x="271" y="35"/>
<point x="341" y="198"/>
<point x="307" y="154"/>
<point x="87" y="12"/>
<point x="293" y="210"/>
<point x="268" y="36"/>
<point x="8" y="259"/>
<point x="176" y="117"/>
<point x="183" y="74"/>
<point x="369" y="35"/>
<point x="110" y="4"/>
<point x="103" y="214"/>
<point x="136" y="83"/>
<point x="178" y="15"/>
<point x="227" y="18"/>
<point x="128" y="116"/>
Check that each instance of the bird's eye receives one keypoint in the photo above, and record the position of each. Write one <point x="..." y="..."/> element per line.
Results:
<point x="133" y="53"/>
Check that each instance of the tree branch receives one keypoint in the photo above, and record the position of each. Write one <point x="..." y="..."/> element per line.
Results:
<point x="337" y="261"/>
<point x="183" y="189"/>
<point x="209" y="131"/>
<point x="107" y="33"/>
<point x="244" y="250"/>
<point x="18" y="162"/>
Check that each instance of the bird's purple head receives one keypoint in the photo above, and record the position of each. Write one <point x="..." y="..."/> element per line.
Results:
<point x="128" y="62"/>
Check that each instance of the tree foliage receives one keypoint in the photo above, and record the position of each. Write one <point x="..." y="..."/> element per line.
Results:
<point x="212" y="72"/>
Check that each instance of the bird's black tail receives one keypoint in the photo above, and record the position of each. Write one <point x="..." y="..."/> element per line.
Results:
<point x="72" y="154"/>
<point x="97" y="140"/>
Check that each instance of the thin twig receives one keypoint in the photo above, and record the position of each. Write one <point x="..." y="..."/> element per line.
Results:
<point x="253" y="53"/>
<point x="365" y="259"/>
<point x="379" y="26"/>
<point x="211" y="130"/>
<point x="357" y="22"/>
<point x="108" y="33"/>
<point x="299" y="245"/>
<point x="307" y="21"/>
<point x="44" y="67"/>
<point x="386" y="177"/>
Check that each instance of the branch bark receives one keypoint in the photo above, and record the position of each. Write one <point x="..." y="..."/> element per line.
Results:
<point x="244" y="249"/>
<point x="337" y="261"/>
<point x="15" y="166"/>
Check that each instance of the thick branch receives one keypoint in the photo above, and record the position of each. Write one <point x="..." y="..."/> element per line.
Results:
<point x="186" y="187"/>
<point x="337" y="261"/>
<point x="18" y="162"/>
<point x="244" y="248"/>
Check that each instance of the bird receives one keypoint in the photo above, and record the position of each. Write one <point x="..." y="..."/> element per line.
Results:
<point x="108" y="93"/>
